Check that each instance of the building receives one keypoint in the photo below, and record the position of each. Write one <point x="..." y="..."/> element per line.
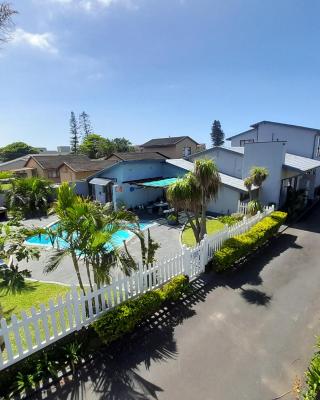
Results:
<point x="135" y="156"/>
<point x="78" y="169"/>
<point x="173" y="147"/>
<point x="300" y="140"/>
<point x="15" y="164"/>
<point x="48" y="166"/>
<point x="134" y="182"/>
<point x="286" y="170"/>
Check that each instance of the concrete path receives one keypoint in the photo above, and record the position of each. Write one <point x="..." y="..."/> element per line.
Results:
<point x="244" y="336"/>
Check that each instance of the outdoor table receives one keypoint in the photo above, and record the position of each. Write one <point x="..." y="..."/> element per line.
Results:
<point x="160" y="205"/>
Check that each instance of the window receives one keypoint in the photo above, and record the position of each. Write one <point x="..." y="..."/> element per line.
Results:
<point x="187" y="151"/>
<point x="53" y="173"/>
<point x="317" y="153"/>
<point x="244" y="141"/>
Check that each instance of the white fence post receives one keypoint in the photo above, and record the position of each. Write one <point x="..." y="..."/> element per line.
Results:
<point x="186" y="251"/>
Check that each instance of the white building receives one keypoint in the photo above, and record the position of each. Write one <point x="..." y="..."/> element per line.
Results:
<point x="290" y="153"/>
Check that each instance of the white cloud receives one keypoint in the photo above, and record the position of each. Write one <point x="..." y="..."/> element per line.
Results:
<point x="43" y="41"/>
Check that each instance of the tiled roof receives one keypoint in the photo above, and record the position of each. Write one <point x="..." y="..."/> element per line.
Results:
<point x="88" y="165"/>
<point x="163" y="142"/>
<point x="53" y="161"/>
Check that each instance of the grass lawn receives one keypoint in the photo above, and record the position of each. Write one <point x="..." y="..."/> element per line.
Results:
<point x="34" y="294"/>
<point x="5" y="186"/>
<point x="213" y="225"/>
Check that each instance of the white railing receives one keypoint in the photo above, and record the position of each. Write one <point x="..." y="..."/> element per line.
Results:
<point x="34" y="330"/>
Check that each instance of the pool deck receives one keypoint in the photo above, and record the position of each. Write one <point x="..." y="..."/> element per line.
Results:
<point x="167" y="236"/>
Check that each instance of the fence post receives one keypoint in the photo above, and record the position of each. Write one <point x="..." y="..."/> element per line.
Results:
<point x="76" y="307"/>
<point x="186" y="260"/>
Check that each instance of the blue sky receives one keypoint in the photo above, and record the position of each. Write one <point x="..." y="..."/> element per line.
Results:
<point x="152" y="68"/>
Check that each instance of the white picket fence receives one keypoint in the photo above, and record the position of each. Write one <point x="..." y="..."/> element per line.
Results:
<point x="34" y="330"/>
<point x="242" y="208"/>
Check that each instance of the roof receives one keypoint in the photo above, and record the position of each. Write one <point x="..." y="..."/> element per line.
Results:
<point x="166" y="142"/>
<point x="234" y="149"/>
<point x="255" y="125"/>
<point x="15" y="163"/>
<point x="281" y="123"/>
<point x="135" y="156"/>
<point x="226" y="180"/>
<point x="53" y="161"/>
<point x="88" y="165"/>
<point x="100" y="181"/>
<point x="300" y="163"/>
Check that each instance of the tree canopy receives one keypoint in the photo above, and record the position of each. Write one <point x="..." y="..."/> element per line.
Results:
<point x="96" y="146"/>
<point x="217" y="134"/>
<point x="15" y="150"/>
<point x="6" y="24"/>
<point x="122" y="145"/>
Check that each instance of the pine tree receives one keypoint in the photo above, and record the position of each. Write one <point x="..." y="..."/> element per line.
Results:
<point x="217" y="134"/>
<point x="85" y="124"/>
<point x="74" y="135"/>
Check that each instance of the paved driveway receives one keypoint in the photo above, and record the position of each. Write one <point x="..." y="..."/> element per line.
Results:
<point x="238" y="337"/>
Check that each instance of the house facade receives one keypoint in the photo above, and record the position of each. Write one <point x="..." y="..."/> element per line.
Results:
<point x="286" y="170"/>
<point x="173" y="147"/>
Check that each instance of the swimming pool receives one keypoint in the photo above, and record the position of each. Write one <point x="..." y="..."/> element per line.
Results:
<point x="117" y="238"/>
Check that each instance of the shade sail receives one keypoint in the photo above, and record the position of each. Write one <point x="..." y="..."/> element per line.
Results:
<point x="160" y="183"/>
<point x="100" y="181"/>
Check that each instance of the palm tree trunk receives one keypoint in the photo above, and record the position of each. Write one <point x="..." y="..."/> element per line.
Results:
<point x="203" y="229"/>
<point x="76" y="267"/>
<point x="2" y="344"/>
<point x="193" y="226"/>
<point x="89" y="276"/>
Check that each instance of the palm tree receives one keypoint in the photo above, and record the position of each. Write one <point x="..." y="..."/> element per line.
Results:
<point x="258" y="176"/>
<point x="87" y="228"/>
<point x="30" y="195"/>
<point x="193" y="192"/>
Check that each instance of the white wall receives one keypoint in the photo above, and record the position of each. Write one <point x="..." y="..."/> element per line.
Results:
<point x="270" y="155"/>
<point x="229" y="163"/>
<point x="300" y="141"/>
<point x="227" y="201"/>
<point x="133" y="196"/>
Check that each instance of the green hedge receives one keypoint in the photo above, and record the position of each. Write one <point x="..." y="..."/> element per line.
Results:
<point x="234" y="249"/>
<point x="125" y="317"/>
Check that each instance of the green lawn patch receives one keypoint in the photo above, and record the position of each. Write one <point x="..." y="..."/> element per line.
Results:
<point x="5" y="186"/>
<point x="213" y="225"/>
<point x="35" y="293"/>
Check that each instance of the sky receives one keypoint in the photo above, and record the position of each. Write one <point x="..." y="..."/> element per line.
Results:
<point x="154" y="68"/>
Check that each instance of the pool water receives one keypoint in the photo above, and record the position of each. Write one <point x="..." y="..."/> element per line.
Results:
<point x="117" y="238"/>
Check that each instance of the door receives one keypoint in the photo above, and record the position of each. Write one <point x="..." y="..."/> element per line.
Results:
<point x="100" y="194"/>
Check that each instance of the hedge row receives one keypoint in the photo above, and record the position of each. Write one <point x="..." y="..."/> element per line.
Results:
<point x="125" y="317"/>
<point x="236" y="248"/>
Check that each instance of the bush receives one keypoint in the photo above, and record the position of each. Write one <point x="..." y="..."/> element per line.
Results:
<point x="234" y="249"/>
<point x="231" y="219"/>
<point x="125" y="317"/>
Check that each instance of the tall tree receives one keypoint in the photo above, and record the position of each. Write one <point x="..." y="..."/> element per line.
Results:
<point x="74" y="134"/>
<point x="122" y="145"/>
<point x="6" y="24"/>
<point x="96" y="146"/>
<point x="217" y="134"/>
<point x="85" y="126"/>
<point x="193" y="192"/>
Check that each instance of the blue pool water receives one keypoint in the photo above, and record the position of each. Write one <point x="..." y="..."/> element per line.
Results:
<point x="117" y="238"/>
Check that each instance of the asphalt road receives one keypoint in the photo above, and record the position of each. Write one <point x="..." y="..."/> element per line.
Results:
<point x="242" y="336"/>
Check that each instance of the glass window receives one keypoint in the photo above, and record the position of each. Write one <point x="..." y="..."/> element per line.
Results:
<point x="187" y="151"/>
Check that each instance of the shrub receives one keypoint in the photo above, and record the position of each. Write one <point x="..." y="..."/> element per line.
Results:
<point x="234" y="249"/>
<point x="231" y="219"/>
<point x="313" y="379"/>
<point x="125" y="317"/>
<point x="254" y="206"/>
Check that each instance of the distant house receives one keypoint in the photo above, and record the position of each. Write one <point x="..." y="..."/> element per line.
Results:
<point x="48" y="166"/>
<point x="79" y="169"/>
<point x="173" y="147"/>
<point x="17" y="163"/>
<point x="130" y="156"/>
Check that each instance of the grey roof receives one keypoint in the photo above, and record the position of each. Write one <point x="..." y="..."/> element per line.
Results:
<point x="53" y="161"/>
<point x="135" y="156"/>
<point x="226" y="180"/>
<point x="300" y="163"/>
<point x="164" y="142"/>
<point x="241" y="133"/>
<point x="181" y="163"/>
<point x="14" y="164"/>
<point x="100" y="181"/>
<point x="283" y="124"/>
<point x="233" y="149"/>
<point x="88" y="165"/>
